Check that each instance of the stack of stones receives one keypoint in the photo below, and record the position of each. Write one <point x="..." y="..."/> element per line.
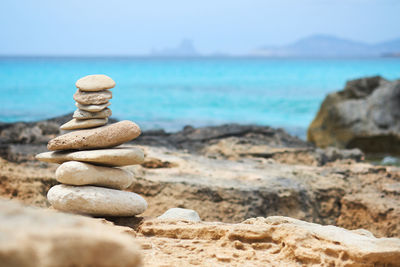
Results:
<point x="90" y="159"/>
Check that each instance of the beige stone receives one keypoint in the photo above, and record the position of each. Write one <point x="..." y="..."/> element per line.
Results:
<point x="92" y="98"/>
<point x="101" y="137"/>
<point x="96" y="82"/>
<point x="86" y="115"/>
<point x="92" y="108"/>
<point x="94" y="200"/>
<point x="80" y="173"/>
<point x="272" y="241"/>
<point x="75" y="124"/>
<point x="108" y="157"/>
<point x="32" y="237"/>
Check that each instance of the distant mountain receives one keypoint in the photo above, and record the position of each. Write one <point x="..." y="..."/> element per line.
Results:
<point x="184" y="49"/>
<point x="330" y="46"/>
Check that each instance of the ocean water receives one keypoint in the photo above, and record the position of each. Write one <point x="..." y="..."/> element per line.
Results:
<point x="171" y="93"/>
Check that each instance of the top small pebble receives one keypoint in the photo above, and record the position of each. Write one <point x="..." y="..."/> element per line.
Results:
<point x="97" y="82"/>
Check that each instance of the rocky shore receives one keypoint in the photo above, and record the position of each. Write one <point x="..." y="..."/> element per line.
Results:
<point x="263" y="197"/>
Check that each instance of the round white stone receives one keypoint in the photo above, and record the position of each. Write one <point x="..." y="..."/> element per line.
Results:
<point x="97" y="201"/>
<point x="80" y="173"/>
<point x="96" y="82"/>
<point x="180" y="214"/>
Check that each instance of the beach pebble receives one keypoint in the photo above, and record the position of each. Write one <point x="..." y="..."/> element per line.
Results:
<point x="75" y="124"/>
<point x="180" y="214"/>
<point x="101" y="137"/>
<point x="108" y="157"/>
<point x="96" y="82"/>
<point x="92" y="98"/>
<point x="92" y="108"/>
<point x="94" y="200"/>
<point x="80" y="173"/>
<point x="86" y="115"/>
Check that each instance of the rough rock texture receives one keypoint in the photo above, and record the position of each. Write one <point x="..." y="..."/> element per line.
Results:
<point x="34" y="237"/>
<point x="92" y="98"/>
<point x="80" y="173"/>
<point x="366" y="115"/>
<point x="121" y="156"/>
<point x="86" y="115"/>
<point x="273" y="241"/>
<point x="95" y="82"/>
<point x="92" y="108"/>
<point x="95" y="200"/>
<point x="75" y="124"/>
<point x="102" y="137"/>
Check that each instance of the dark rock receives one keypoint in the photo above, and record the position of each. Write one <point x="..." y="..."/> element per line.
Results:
<point x="365" y="115"/>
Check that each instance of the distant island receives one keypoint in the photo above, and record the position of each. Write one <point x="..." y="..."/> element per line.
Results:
<point x="330" y="46"/>
<point x="184" y="49"/>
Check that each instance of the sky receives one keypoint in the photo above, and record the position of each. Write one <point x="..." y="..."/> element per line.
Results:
<point x="130" y="27"/>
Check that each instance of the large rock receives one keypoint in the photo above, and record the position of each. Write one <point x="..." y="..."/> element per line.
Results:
<point x="121" y="156"/>
<point x="366" y="115"/>
<point x="80" y="173"/>
<point x="101" y="137"/>
<point x="33" y="237"/>
<point x="95" y="200"/>
<point x="272" y="241"/>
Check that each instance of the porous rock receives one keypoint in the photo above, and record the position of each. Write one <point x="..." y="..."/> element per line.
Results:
<point x="87" y="115"/>
<point x="92" y="98"/>
<point x="33" y="237"/>
<point x="95" y="200"/>
<point x="75" y="124"/>
<point x="80" y="173"/>
<point x="272" y="241"/>
<point x="102" y="137"/>
<point x="95" y="82"/>
<point x="121" y="156"/>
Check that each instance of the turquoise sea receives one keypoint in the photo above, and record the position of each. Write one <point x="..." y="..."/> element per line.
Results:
<point x="171" y="93"/>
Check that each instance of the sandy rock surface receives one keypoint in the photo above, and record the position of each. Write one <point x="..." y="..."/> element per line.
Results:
<point x="80" y="173"/>
<point x="95" y="82"/>
<point x="95" y="200"/>
<point x="273" y="241"/>
<point x="33" y="237"/>
<point x="102" y="137"/>
<point x="121" y="156"/>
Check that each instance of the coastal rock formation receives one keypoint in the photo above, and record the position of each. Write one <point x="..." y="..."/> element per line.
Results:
<point x="33" y="237"/>
<point x="272" y="241"/>
<point x="87" y="191"/>
<point x="365" y="115"/>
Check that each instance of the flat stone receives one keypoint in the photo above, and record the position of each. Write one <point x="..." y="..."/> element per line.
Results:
<point x="94" y="200"/>
<point x="92" y="108"/>
<point x="92" y="98"/>
<point x="80" y="173"/>
<point x="86" y="115"/>
<point x="75" y="124"/>
<point x="101" y="137"/>
<point x="96" y="82"/>
<point x="107" y="157"/>
<point x="31" y="237"/>
<point x="180" y="214"/>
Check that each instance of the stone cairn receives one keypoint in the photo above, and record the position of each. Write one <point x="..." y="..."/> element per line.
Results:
<point x="90" y="159"/>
